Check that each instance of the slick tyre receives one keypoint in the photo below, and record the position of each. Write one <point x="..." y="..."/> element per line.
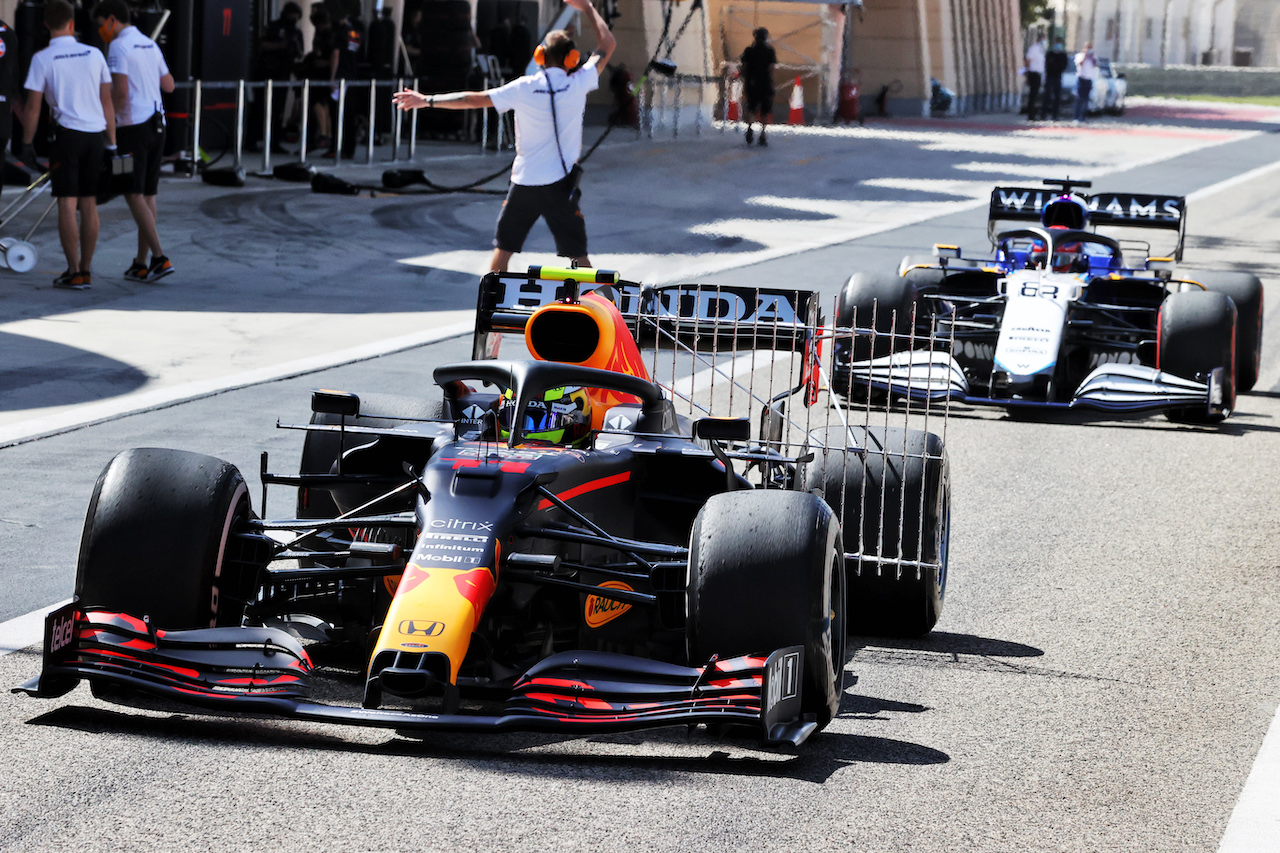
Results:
<point x="896" y="505"/>
<point x="881" y="305"/>
<point x="1245" y="290"/>
<point x="1198" y="336"/>
<point x="320" y="450"/>
<point x="765" y="572"/>
<point x="879" y="301"/>
<point x="159" y="541"/>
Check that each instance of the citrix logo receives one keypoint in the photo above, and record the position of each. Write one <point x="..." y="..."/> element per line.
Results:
<point x="459" y="524"/>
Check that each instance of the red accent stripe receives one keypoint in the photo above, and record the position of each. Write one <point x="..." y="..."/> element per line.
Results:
<point x="590" y="486"/>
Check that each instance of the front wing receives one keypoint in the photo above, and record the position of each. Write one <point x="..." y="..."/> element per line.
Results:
<point x="936" y="376"/>
<point x="266" y="671"/>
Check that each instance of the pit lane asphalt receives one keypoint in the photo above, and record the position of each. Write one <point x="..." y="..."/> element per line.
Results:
<point x="1101" y="679"/>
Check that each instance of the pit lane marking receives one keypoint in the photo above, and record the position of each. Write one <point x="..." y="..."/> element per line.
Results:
<point x="88" y="414"/>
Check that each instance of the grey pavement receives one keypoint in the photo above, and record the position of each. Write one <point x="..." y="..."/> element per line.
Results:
<point x="1104" y="669"/>
<point x="273" y="279"/>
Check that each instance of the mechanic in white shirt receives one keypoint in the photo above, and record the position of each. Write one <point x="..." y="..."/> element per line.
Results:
<point x="549" y="108"/>
<point x="73" y="78"/>
<point x="1086" y="73"/>
<point x="138" y="75"/>
<point x="1034" y="71"/>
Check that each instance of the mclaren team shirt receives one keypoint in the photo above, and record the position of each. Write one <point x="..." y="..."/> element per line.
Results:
<point x="537" y="159"/>
<point x="70" y="75"/>
<point x="139" y="59"/>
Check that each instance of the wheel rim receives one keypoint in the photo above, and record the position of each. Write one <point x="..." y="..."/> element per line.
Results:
<point x="943" y="544"/>
<point x="839" y="616"/>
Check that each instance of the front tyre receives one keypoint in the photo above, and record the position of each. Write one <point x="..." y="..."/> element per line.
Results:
<point x="1245" y="290"/>
<point x="1198" y="336"/>
<point x="766" y="571"/>
<point x="159" y="540"/>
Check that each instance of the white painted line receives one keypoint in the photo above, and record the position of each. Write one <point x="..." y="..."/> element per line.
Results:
<point x="739" y="365"/>
<point x="23" y="631"/>
<point x="93" y="413"/>
<point x="1245" y="178"/>
<point x="1255" y="822"/>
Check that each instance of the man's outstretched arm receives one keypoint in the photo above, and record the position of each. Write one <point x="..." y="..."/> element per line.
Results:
<point x="605" y="42"/>
<point x="408" y="99"/>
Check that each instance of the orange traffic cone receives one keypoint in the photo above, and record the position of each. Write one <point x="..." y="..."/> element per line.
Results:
<point x="797" y="104"/>
<point x="733" y="99"/>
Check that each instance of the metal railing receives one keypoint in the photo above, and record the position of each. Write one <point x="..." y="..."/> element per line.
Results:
<point x="302" y="88"/>
<point x="668" y="105"/>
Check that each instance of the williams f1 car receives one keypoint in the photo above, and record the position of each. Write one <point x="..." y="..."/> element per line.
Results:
<point x="1060" y="316"/>
<point x="556" y="544"/>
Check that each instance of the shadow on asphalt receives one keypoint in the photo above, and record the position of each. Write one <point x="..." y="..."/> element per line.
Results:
<point x="956" y="644"/>
<point x="704" y="752"/>
<point x="80" y="376"/>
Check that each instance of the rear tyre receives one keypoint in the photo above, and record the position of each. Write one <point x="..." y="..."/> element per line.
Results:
<point x="891" y="507"/>
<point x="157" y="537"/>
<point x="320" y="450"/>
<point x="766" y="572"/>
<point x="1197" y="336"/>
<point x="1245" y="290"/>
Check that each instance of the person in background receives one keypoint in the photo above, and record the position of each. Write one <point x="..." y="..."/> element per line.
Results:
<point x="8" y="85"/>
<point x="281" y="45"/>
<point x="757" y="78"/>
<point x="500" y="46"/>
<point x="549" y="108"/>
<point x="1055" y="63"/>
<point x="1086" y="73"/>
<point x="74" y="80"/>
<point x="382" y="45"/>
<point x="519" y="47"/>
<point x="138" y="76"/>
<point x="316" y="68"/>
<point x="279" y="53"/>
<point x="348" y="41"/>
<point x="1034" y="70"/>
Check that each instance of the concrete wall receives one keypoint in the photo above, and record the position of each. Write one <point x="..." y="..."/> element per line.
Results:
<point x="971" y="46"/>
<point x="1175" y="32"/>
<point x="1188" y="80"/>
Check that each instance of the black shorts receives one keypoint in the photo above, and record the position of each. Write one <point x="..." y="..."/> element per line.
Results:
<point x="147" y="148"/>
<point x="553" y="202"/>
<point x="759" y="100"/>
<point x="75" y="163"/>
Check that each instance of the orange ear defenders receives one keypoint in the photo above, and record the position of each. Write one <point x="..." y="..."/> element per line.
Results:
<point x="571" y="59"/>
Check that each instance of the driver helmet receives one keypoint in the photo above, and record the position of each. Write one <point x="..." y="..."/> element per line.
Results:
<point x="1066" y="211"/>
<point x="1037" y="254"/>
<point x="1068" y="257"/>
<point x="561" y="416"/>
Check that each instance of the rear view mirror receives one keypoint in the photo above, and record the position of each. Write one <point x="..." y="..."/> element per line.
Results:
<point x="328" y="402"/>
<point x="723" y="429"/>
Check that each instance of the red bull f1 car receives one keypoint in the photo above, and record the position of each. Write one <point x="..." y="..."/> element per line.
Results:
<point x="548" y="544"/>
<point x="1060" y="316"/>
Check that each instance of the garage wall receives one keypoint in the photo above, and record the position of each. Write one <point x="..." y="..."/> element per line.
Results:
<point x="973" y="47"/>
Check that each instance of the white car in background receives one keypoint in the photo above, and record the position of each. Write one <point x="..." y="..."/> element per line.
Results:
<point x="1107" y="95"/>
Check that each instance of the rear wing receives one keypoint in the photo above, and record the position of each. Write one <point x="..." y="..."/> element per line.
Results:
<point x="1116" y="210"/>
<point x="696" y="314"/>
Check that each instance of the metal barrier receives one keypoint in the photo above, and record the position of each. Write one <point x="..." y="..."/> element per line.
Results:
<point x="667" y="105"/>
<point x="663" y="104"/>
<point x="271" y="89"/>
